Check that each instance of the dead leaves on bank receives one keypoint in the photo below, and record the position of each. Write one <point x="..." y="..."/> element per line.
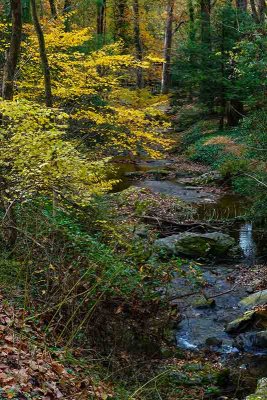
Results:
<point x="29" y="370"/>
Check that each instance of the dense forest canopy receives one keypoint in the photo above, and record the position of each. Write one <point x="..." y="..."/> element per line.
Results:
<point x="93" y="94"/>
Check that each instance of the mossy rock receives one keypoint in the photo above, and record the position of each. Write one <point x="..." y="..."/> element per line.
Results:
<point x="196" y="244"/>
<point x="261" y="392"/>
<point x="255" y="299"/>
<point x="203" y="303"/>
<point x="241" y="324"/>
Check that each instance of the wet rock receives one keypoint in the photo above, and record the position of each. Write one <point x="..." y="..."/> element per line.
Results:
<point x="255" y="299"/>
<point x="203" y="303"/>
<point x="196" y="244"/>
<point x="214" y="342"/>
<point x="261" y="392"/>
<point x="241" y="324"/>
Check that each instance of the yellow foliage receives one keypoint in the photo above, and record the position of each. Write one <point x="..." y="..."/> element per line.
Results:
<point x="37" y="158"/>
<point x="92" y="86"/>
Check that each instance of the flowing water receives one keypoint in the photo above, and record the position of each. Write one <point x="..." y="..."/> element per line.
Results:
<point x="200" y="328"/>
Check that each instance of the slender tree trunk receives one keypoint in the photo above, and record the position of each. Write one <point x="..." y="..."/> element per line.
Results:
<point x="166" y="71"/>
<point x="53" y="9"/>
<point x="254" y="11"/>
<point x="206" y="93"/>
<point x="43" y="56"/>
<point x="205" y="9"/>
<point x="262" y="11"/>
<point x="13" y="52"/>
<point x="235" y="107"/>
<point x="12" y="58"/>
<point x="222" y="88"/>
<point x="138" y="44"/>
<point x="192" y="37"/>
<point x="101" y="11"/>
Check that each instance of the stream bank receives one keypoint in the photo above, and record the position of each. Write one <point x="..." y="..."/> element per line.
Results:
<point x="202" y="328"/>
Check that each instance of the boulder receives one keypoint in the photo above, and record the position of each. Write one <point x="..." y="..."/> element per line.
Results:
<point x="255" y="299"/>
<point x="250" y="319"/>
<point x="242" y="323"/>
<point x="261" y="392"/>
<point x="196" y="244"/>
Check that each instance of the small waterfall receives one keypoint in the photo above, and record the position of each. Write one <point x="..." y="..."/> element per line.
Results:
<point x="247" y="243"/>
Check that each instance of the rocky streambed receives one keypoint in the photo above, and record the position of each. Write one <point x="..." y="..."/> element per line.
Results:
<point x="217" y="316"/>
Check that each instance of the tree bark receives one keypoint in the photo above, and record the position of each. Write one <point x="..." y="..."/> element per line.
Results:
<point x="13" y="52"/>
<point x="262" y="11"/>
<point x="101" y="11"/>
<point x="53" y="9"/>
<point x="12" y="58"/>
<point x="43" y="56"/>
<point x="166" y="71"/>
<point x="254" y="11"/>
<point x="138" y="44"/>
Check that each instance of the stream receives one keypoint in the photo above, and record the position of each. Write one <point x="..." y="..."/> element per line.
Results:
<point x="202" y="329"/>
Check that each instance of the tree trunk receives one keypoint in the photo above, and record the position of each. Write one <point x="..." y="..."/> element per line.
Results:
<point x="235" y="107"/>
<point x="12" y="58"/>
<point x="235" y="112"/>
<point x="254" y="11"/>
<point x="101" y="11"/>
<point x="43" y="56"/>
<point x="166" y="71"/>
<point x="138" y="44"/>
<point x="242" y="5"/>
<point x="262" y="11"/>
<point x="53" y="9"/>
<point x="206" y="93"/>
<point x="13" y="52"/>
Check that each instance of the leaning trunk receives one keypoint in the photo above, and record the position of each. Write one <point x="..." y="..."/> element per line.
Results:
<point x="138" y="44"/>
<point x="43" y="55"/>
<point x="166" y="71"/>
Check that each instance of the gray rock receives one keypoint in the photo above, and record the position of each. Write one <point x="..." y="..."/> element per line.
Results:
<point x="255" y="299"/>
<point x="196" y="244"/>
<point x="261" y="392"/>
